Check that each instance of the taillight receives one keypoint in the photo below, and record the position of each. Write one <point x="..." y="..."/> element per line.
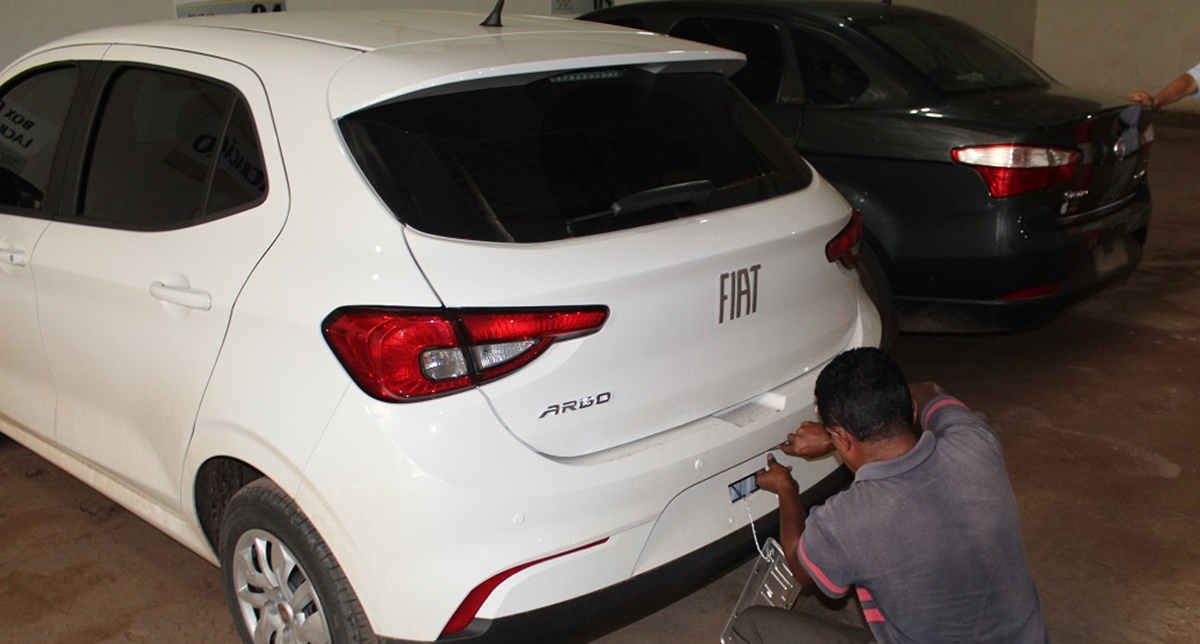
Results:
<point x="844" y="246"/>
<point x="1011" y="170"/>
<point x="403" y="355"/>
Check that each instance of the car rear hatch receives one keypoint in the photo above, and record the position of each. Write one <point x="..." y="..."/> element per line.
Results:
<point x="661" y="197"/>
<point x="1115" y="144"/>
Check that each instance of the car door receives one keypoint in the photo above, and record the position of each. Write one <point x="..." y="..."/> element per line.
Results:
<point x="138" y="280"/>
<point x="34" y="109"/>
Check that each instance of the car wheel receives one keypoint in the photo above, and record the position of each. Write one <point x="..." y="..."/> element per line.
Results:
<point x="877" y="286"/>
<point x="281" y="581"/>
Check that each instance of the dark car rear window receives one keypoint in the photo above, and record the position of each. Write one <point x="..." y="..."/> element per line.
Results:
<point x="955" y="57"/>
<point x="573" y="155"/>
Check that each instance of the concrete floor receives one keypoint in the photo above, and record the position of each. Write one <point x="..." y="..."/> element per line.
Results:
<point x="1099" y="416"/>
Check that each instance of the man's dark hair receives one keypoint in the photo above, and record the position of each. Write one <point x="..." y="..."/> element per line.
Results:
<point x="864" y="392"/>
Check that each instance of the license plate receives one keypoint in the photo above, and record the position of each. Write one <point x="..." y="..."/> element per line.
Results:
<point x="742" y="489"/>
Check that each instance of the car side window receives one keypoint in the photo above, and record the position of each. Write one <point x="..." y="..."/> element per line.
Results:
<point x="760" y="79"/>
<point x="33" y="111"/>
<point x="171" y="150"/>
<point x="829" y="76"/>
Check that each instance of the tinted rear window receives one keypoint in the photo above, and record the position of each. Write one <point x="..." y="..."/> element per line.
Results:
<point x="573" y="155"/>
<point x="953" y="56"/>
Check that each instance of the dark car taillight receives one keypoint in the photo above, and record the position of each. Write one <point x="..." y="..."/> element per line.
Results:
<point x="844" y="246"/>
<point x="404" y="355"/>
<point x="1011" y="170"/>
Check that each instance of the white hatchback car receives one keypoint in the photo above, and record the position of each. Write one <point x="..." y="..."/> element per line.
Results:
<point x="420" y="329"/>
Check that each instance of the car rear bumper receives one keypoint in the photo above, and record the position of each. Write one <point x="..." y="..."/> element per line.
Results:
<point x="452" y="502"/>
<point x="585" y="618"/>
<point x="1044" y="271"/>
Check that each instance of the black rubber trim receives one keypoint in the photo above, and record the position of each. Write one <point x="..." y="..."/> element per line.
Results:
<point x="591" y="616"/>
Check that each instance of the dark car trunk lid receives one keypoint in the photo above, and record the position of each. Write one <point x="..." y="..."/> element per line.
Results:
<point x="1112" y="138"/>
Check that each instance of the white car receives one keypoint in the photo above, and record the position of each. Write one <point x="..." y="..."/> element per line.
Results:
<point x="417" y="328"/>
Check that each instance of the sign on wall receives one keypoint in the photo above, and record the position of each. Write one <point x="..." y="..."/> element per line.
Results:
<point x="576" y="7"/>
<point x="193" y="8"/>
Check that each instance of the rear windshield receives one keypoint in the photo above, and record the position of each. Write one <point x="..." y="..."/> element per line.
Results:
<point x="573" y="155"/>
<point x="955" y="57"/>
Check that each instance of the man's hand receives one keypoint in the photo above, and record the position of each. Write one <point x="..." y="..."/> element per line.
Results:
<point x="809" y="441"/>
<point x="777" y="479"/>
<point x="1141" y="97"/>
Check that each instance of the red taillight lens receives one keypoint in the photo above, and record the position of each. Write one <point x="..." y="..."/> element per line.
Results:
<point x="1011" y="170"/>
<point x="844" y="247"/>
<point x="404" y="355"/>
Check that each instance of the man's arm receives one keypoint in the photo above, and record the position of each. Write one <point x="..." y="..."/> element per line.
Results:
<point x="778" y="479"/>
<point x="1176" y="90"/>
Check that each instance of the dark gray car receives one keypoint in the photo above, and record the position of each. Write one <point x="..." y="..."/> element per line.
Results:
<point x="993" y="196"/>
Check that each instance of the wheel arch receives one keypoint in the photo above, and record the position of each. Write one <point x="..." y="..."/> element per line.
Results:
<point x="876" y="214"/>
<point x="224" y="458"/>
<point x="875" y="267"/>
<point x="217" y="480"/>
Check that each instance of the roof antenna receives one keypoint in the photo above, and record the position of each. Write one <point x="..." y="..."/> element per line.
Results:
<point x="493" y="20"/>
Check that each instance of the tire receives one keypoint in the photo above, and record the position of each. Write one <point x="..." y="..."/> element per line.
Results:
<point x="282" y="583"/>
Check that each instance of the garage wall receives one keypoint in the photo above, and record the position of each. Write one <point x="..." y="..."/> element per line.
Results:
<point x="1113" y="46"/>
<point x="25" y="24"/>
<point x="1117" y="46"/>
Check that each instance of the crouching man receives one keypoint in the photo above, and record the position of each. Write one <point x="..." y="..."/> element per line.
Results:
<point x="927" y="535"/>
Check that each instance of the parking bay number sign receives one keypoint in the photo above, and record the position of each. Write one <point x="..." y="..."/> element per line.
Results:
<point x="193" y="8"/>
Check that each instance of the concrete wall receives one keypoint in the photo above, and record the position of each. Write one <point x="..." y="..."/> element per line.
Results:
<point x="1113" y="46"/>
<point x="25" y="24"/>
<point x="1117" y="46"/>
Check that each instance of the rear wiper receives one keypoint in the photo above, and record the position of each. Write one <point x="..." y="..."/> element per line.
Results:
<point x="686" y="192"/>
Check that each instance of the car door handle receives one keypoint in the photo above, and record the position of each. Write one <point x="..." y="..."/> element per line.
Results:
<point x="12" y="257"/>
<point x="189" y="297"/>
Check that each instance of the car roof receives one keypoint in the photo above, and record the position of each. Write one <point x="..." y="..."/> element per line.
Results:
<point x="381" y="54"/>
<point x="361" y="30"/>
